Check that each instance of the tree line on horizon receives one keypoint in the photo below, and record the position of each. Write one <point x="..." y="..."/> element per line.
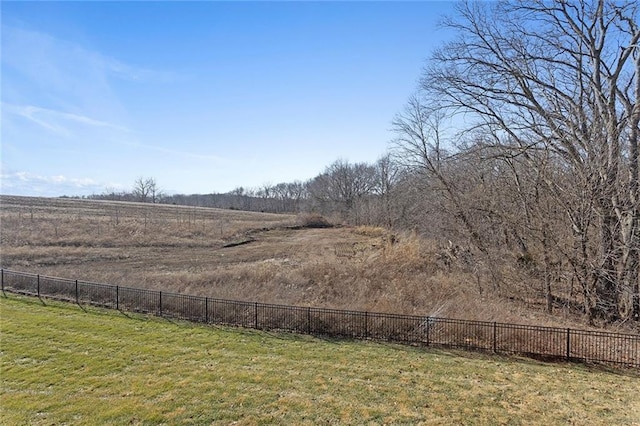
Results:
<point x="521" y="142"/>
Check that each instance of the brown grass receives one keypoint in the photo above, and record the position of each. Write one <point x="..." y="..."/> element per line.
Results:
<point x="182" y="249"/>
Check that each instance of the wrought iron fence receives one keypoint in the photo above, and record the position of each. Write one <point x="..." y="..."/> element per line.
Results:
<point x="534" y="341"/>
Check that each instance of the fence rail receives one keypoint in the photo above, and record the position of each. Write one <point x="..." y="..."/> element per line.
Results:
<point x="534" y="341"/>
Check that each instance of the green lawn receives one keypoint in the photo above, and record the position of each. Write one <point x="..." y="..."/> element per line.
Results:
<point x="65" y="365"/>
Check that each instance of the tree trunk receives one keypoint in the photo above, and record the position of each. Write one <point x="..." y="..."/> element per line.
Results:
<point x="547" y="272"/>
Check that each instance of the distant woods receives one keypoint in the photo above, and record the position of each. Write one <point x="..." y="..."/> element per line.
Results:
<point x="521" y="143"/>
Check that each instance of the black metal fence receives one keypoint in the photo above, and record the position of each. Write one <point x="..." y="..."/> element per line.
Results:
<point x="538" y="342"/>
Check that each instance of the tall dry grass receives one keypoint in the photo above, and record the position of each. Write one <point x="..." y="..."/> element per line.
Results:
<point x="181" y="249"/>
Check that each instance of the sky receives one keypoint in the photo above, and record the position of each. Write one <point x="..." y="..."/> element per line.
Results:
<point x="203" y="97"/>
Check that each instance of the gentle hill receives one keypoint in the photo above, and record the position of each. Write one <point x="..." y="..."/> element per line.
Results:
<point x="62" y="364"/>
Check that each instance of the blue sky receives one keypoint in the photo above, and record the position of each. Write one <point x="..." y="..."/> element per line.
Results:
<point x="202" y="96"/>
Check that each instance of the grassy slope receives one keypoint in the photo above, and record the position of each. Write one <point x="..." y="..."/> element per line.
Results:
<point x="61" y="364"/>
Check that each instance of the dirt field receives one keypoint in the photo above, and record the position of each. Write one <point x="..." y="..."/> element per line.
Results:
<point x="246" y="256"/>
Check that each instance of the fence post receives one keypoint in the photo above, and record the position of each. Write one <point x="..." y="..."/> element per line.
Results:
<point x="206" y="310"/>
<point x="38" y="279"/>
<point x="117" y="297"/>
<point x="568" y="344"/>
<point x="495" y="343"/>
<point x="255" y="317"/>
<point x="366" y="324"/>
<point x="2" y="280"/>
<point x="77" y="302"/>
<point x="308" y="319"/>
<point x="160" y="303"/>
<point x="428" y="327"/>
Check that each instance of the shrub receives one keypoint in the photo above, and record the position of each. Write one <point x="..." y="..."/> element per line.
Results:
<point x="312" y="220"/>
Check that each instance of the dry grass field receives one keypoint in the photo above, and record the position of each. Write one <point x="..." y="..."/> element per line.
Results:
<point x="245" y="256"/>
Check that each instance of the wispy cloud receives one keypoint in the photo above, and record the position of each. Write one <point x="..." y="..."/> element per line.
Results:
<point x="136" y="73"/>
<point x="26" y="183"/>
<point x="56" y="121"/>
<point x="78" y="127"/>
<point x="68" y="109"/>
<point x="62" y="75"/>
<point x="58" y="62"/>
<point x="56" y="180"/>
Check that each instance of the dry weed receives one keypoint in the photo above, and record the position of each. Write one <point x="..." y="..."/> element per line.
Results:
<point x="371" y="231"/>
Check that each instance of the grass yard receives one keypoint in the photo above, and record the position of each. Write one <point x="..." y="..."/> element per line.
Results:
<point x="62" y="364"/>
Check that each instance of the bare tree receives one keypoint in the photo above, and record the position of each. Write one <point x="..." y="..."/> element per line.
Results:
<point x="419" y="146"/>
<point x="146" y="190"/>
<point x="288" y="196"/>
<point x="387" y="175"/>
<point x="343" y="185"/>
<point x="559" y="80"/>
